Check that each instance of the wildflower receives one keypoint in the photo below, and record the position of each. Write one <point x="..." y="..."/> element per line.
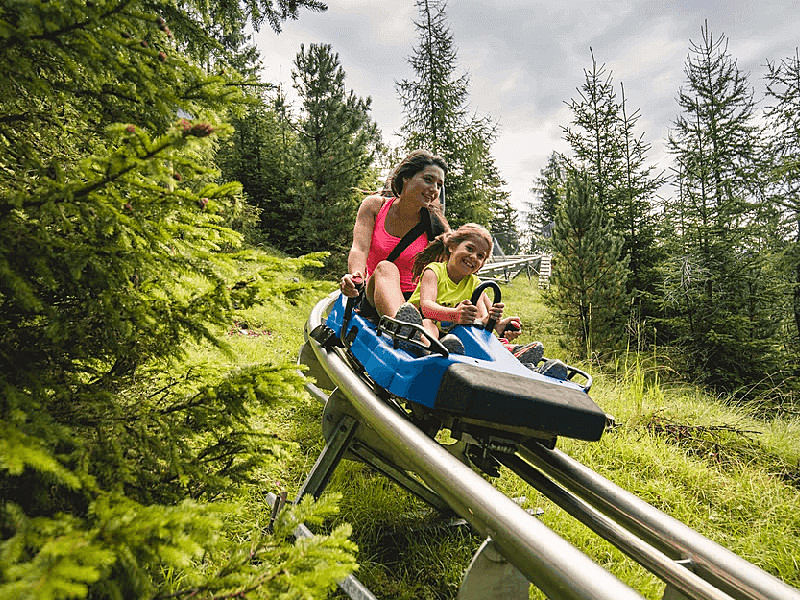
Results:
<point x="131" y="129"/>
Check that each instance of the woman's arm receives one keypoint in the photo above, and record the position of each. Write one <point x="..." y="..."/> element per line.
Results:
<point x="362" y="238"/>
<point x="362" y="234"/>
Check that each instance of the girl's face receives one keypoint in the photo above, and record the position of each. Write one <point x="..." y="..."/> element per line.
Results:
<point x="425" y="186"/>
<point x="466" y="258"/>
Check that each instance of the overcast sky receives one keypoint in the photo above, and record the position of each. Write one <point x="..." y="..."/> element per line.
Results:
<point x="525" y="58"/>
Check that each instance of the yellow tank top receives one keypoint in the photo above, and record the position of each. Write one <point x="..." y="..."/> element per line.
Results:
<point x="448" y="292"/>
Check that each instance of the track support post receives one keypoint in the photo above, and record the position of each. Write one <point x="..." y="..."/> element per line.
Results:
<point x="329" y="458"/>
<point x="490" y="575"/>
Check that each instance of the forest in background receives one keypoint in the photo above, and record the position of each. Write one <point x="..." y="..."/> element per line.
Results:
<point x="144" y="165"/>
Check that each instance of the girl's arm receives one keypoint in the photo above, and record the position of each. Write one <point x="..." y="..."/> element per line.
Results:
<point x="362" y="239"/>
<point x="463" y="314"/>
<point x="487" y="309"/>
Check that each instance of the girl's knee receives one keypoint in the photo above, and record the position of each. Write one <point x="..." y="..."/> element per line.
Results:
<point x="431" y="328"/>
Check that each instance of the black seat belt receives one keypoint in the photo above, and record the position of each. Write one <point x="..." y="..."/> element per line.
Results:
<point x="425" y="225"/>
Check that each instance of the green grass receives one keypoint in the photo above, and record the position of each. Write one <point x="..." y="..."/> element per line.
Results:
<point x="725" y="470"/>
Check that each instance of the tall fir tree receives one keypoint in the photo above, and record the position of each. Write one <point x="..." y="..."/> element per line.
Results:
<point x="638" y="219"/>
<point x="337" y="143"/>
<point x="719" y="294"/>
<point x="589" y="271"/>
<point x="783" y="150"/>
<point x="605" y="143"/>
<point x="437" y="118"/>
<point x="594" y="136"/>
<point x="504" y="227"/>
<point x="119" y="466"/>
<point x="258" y="155"/>
<point x="548" y="191"/>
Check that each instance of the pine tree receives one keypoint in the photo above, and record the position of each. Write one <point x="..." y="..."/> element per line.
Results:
<point x="120" y="467"/>
<point x="437" y="118"/>
<point x="504" y="227"/>
<point x="589" y="270"/>
<point x="594" y="136"/>
<point x="337" y="143"/>
<point x="638" y="220"/>
<point x="258" y="155"/>
<point x="549" y="190"/>
<point x="783" y="151"/>
<point x="719" y="293"/>
<point x="604" y="141"/>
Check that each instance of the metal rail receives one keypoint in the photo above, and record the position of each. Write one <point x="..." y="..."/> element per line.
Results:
<point x="510" y="266"/>
<point x="715" y="563"/>
<point x="691" y="565"/>
<point x="556" y="567"/>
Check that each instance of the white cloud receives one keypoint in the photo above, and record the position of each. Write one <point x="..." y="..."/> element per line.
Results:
<point x="526" y="57"/>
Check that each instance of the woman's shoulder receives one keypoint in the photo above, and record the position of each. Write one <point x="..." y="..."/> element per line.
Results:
<point x="372" y="204"/>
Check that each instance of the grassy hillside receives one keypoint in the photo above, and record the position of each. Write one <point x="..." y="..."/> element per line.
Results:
<point x="722" y="469"/>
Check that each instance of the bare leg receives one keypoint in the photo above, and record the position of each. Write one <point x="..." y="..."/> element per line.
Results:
<point x="383" y="289"/>
<point x="431" y="328"/>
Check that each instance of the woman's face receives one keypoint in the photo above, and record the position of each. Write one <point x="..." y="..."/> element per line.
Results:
<point x="424" y="186"/>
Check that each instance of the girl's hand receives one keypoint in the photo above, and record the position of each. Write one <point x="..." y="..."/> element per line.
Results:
<point x="349" y="282"/>
<point x="467" y="313"/>
<point x="509" y="328"/>
<point x="496" y="311"/>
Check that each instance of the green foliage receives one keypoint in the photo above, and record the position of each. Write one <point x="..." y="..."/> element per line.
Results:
<point x="258" y="155"/>
<point x="336" y="144"/>
<point x="594" y="137"/>
<point x="720" y="281"/>
<point x="437" y="119"/>
<point x="120" y="463"/>
<point x="605" y="143"/>
<point x="303" y="173"/>
<point x="549" y="189"/>
<point x="783" y="157"/>
<point x="589" y="271"/>
<point x="504" y="227"/>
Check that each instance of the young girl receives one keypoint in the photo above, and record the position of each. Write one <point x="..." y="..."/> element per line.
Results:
<point x="447" y="269"/>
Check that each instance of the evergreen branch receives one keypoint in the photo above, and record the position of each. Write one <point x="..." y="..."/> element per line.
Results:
<point x="57" y="33"/>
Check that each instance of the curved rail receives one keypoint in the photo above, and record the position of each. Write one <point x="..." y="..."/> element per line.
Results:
<point x="692" y="565"/>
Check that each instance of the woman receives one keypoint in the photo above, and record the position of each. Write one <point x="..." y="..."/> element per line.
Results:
<point x="382" y="223"/>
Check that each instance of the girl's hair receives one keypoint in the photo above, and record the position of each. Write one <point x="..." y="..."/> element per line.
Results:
<point x="439" y="249"/>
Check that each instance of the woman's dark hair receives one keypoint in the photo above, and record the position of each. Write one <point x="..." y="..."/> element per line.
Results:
<point x="413" y="164"/>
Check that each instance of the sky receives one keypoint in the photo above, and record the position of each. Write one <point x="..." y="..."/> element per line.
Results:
<point x="525" y="59"/>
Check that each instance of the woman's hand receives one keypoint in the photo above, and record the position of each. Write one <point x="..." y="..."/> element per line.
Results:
<point x="349" y="282"/>
<point x="509" y="328"/>
<point x="467" y="313"/>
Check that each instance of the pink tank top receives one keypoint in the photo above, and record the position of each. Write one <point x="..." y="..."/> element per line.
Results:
<point x="383" y="243"/>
